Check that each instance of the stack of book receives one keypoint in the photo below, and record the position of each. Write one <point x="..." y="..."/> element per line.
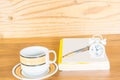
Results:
<point x="74" y="55"/>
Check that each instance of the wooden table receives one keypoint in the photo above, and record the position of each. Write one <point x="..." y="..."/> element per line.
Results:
<point x="9" y="57"/>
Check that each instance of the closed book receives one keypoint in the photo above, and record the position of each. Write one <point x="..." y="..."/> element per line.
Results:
<point x="74" y="54"/>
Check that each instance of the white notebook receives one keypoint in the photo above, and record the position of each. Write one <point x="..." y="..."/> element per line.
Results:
<point x="74" y="54"/>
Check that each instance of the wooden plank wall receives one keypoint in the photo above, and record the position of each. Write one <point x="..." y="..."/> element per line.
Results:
<point x="56" y="18"/>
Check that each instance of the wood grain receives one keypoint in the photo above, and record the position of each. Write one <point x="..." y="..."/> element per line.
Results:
<point x="38" y="18"/>
<point x="9" y="57"/>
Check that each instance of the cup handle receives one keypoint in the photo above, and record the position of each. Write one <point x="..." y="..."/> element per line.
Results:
<point x="52" y="51"/>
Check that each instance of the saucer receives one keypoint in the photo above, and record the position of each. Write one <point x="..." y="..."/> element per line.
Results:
<point x="17" y="72"/>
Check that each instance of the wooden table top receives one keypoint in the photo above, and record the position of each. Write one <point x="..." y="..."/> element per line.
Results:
<point x="9" y="57"/>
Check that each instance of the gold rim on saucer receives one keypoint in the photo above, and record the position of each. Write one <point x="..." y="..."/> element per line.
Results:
<point x="17" y="72"/>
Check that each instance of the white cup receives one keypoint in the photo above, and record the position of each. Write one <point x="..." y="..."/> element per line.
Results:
<point x="35" y="61"/>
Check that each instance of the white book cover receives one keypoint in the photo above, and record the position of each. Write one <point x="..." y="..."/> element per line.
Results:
<point x="75" y="54"/>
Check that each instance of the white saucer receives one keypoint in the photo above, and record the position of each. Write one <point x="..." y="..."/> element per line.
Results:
<point x="17" y="72"/>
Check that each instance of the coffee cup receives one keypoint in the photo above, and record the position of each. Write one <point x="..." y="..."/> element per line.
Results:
<point x="35" y="60"/>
